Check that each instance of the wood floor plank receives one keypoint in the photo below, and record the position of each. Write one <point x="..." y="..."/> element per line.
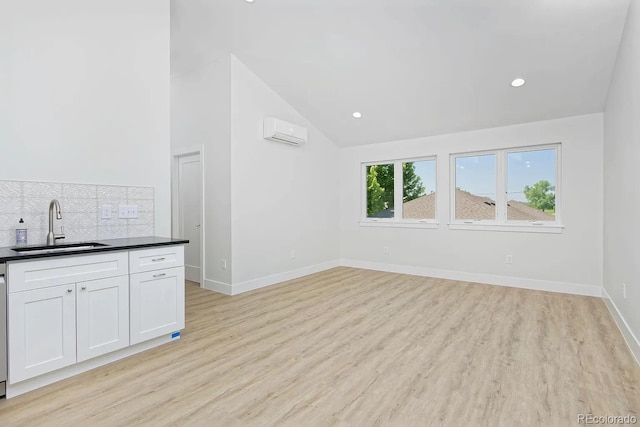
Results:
<point x="349" y="347"/>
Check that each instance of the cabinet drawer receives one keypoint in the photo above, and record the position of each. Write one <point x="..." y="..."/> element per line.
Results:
<point x="37" y="274"/>
<point x="156" y="258"/>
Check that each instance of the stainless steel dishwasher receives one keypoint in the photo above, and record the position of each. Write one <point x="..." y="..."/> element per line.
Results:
<point x="3" y="331"/>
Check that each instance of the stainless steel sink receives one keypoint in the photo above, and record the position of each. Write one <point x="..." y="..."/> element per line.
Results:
<point x="46" y="249"/>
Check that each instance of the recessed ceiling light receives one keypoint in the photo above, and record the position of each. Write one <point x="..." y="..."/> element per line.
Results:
<point x="357" y="115"/>
<point x="517" y="82"/>
<point x="249" y="1"/>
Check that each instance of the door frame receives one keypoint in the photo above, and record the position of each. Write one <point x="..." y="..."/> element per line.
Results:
<point x="176" y="154"/>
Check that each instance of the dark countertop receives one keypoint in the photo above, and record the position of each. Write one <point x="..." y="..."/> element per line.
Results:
<point x="8" y="254"/>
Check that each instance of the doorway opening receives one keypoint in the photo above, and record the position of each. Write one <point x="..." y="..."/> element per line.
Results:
<point x="187" y="208"/>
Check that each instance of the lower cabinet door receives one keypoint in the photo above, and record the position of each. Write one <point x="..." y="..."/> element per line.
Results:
<point x="42" y="331"/>
<point x="156" y="303"/>
<point x="102" y="309"/>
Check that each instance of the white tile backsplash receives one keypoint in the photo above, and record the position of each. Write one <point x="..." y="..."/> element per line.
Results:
<point x="140" y="193"/>
<point x="81" y="211"/>
<point x="34" y="220"/>
<point x="111" y="192"/>
<point x="140" y="230"/>
<point x="10" y="205"/>
<point x="9" y="221"/>
<point x="79" y="220"/>
<point x="80" y="234"/>
<point x="113" y="222"/>
<point x="48" y="190"/>
<point x="79" y="191"/>
<point x="35" y="236"/>
<point x="11" y="188"/>
<point x="143" y="219"/>
<point x="6" y="236"/>
<point x="79" y="205"/>
<point x="36" y="204"/>
<point x="117" y="232"/>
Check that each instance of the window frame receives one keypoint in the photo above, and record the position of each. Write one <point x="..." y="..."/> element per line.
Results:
<point x="398" y="195"/>
<point x="454" y="186"/>
<point x="501" y="222"/>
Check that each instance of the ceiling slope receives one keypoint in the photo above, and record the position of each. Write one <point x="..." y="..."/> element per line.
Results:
<point x="412" y="67"/>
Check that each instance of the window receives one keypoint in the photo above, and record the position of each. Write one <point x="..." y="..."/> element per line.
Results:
<point x="419" y="190"/>
<point x="512" y="187"/>
<point x="476" y="187"/>
<point x="531" y="185"/>
<point x="380" y="191"/>
<point x="403" y="191"/>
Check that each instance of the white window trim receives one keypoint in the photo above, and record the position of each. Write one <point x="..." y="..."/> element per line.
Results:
<point x="524" y="228"/>
<point x="500" y="223"/>
<point x="400" y="224"/>
<point x="397" y="220"/>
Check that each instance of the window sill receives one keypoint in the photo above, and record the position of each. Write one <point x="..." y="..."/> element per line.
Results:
<point x="398" y="224"/>
<point x="518" y="228"/>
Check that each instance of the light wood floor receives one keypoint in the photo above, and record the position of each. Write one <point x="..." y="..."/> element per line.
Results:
<point x="351" y="347"/>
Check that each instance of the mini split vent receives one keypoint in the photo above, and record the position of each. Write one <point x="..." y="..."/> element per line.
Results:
<point x="280" y="131"/>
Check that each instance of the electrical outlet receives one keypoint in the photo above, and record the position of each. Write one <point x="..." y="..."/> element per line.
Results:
<point x="624" y="290"/>
<point x="106" y="211"/>
<point x="509" y="259"/>
<point x="385" y="249"/>
<point x="223" y="264"/>
<point x="293" y="254"/>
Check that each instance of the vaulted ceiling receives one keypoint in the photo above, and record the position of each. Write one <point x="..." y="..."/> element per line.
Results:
<point x="412" y="67"/>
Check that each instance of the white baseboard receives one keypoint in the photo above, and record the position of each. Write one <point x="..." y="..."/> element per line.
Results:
<point x="251" y="285"/>
<point x="489" y="279"/>
<point x="629" y="337"/>
<point x="213" y="285"/>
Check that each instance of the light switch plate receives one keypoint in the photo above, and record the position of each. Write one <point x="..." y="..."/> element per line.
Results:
<point x="128" y="211"/>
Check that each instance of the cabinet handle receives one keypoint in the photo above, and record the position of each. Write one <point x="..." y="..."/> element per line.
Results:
<point x="160" y="275"/>
<point x="158" y="259"/>
<point x="84" y="288"/>
<point x="69" y="291"/>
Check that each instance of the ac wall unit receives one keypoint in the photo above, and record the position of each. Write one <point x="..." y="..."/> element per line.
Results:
<point x="281" y="131"/>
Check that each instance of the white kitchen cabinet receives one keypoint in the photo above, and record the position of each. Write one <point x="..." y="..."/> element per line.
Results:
<point x="157" y="303"/>
<point x="42" y="331"/>
<point x="54" y="327"/>
<point x="102" y="313"/>
<point x="64" y="310"/>
<point x="69" y="314"/>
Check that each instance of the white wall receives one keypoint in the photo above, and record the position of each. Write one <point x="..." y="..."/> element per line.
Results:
<point x="621" y="160"/>
<point x="201" y="32"/>
<point x="283" y="197"/>
<point x="200" y="116"/>
<point x="570" y="261"/>
<point x="85" y="94"/>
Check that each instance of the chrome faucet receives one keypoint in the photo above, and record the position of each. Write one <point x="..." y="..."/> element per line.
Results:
<point x="51" y="236"/>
